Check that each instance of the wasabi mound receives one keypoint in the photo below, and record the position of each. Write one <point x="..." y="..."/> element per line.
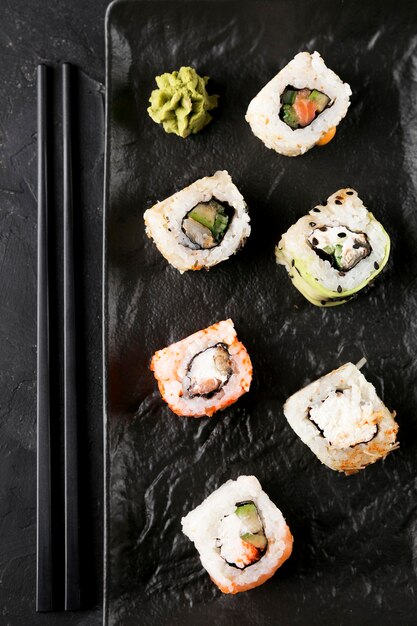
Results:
<point x="181" y="103"/>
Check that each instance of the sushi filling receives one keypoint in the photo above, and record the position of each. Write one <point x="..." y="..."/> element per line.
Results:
<point x="334" y="419"/>
<point x="206" y="224"/>
<point x="343" y="248"/>
<point x="301" y="106"/>
<point x="208" y="371"/>
<point x="242" y="540"/>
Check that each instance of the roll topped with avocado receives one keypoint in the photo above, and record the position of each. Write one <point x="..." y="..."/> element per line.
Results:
<point x="334" y="251"/>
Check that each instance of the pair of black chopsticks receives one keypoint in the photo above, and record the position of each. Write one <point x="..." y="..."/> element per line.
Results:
<point x="45" y="503"/>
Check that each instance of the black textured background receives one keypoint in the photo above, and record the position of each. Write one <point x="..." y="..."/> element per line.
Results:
<point x="33" y="31"/>
<point x="355" y="551"/>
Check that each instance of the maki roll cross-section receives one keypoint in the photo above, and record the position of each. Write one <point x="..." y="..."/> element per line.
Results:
<point x="300" y="107"/>
<point x="335" y="251"/>
<point x="201" y="225"/>
<point x="204" y="372"/>
<point x="342" y="420"/>
<point x="241" y="536"/>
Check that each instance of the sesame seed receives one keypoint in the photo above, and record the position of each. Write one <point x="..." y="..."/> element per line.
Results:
<point x="376" y="265"/>
<point x="339" y="289"/>
<point x="312" y="224"/>
<point x="342" y="274"/>
<point x="316" y="210"/>
<point x="323" y="302"/>
<point x="355" y="246"/>
<point x="323" y="229"/>
<point x="293" y="263"/>
<point x="338" y="202"/>
<point x="314" y="241"/>
<point x="341" y="234"/>
<point x="349" y="193"/>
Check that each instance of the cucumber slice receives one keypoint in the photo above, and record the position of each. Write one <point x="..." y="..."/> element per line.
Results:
<point x="289" y="116"/>
<point x="288" y="96"/>
<point x="259" y="541"/>
<point x="220" y="225"/>
<point x="338" y="255"/>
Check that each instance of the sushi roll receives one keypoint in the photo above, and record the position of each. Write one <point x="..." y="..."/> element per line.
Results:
<point x="241" y="536"/>
<point x="201" y="225"/>
<point x="204" y="372"/>
<point x="342" y="420"/>
<point x="300" y="107"/>
<point x="335" y="251"/>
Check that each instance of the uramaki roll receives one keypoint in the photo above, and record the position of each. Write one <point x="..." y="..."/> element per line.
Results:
<point x="201" y="225"/>
<point x="241" y="536"/>
<point x="204" y="372"/>
<point x="300" y="107"/>
<point x="342" y="420"/>
<point x="335" y="251"/>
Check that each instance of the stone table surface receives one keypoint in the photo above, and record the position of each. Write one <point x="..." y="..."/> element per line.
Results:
<point x="51" y="32"/>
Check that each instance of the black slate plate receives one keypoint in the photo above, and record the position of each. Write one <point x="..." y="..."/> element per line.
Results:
<point x="355" y="552"/>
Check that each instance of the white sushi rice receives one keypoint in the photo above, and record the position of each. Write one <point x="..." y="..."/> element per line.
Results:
<point x="203" y="527"/>
<point x="339" y="422"/>
<point x="304" y="71"/>
<point x="343" y="208"/>
<point x="164" y="223"/>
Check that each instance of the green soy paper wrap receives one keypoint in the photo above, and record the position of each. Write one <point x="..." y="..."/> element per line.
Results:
<point x="181" y="102"/>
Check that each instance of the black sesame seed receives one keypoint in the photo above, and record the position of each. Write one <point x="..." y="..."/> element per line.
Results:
<point x="342" y="274"/>
<point x="376" y="265"/>
<point x="314" y="241"/>
<point x="342" y="235"/>
<point x="316" y="210"/>
<point x="323" y="229"/>
<point x="356" y="246"/>
<point x="298" y="271"/>
<point x="293" y="263"/>
<point x="323" y="302"/>
<point x="350" y="193"/>
<point x="312" y="224"/>
<point x="339" y="289"/>
<point x="338" y="202"/>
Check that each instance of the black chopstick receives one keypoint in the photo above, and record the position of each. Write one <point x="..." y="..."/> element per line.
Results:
<point x="72" y="573"/>
<point x="43" y="500"/>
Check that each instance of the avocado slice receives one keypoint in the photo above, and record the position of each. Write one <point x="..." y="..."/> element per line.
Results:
<point x="204" y="214"/>
<point x="320" y="99"/>
<point x="258" y="541"/>
<point x="248" y="514"/>
<point x="211" y="215"/>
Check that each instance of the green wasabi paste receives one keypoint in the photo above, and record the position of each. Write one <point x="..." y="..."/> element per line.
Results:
<point x="181" y="103"/>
